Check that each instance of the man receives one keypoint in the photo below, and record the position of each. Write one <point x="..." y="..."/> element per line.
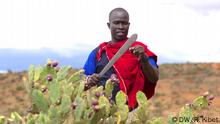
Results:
<point x="136" y="69"/>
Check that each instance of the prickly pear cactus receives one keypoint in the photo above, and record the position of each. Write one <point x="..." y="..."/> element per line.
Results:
<point x="59" y="96"/>
<point x="189" y="112"/>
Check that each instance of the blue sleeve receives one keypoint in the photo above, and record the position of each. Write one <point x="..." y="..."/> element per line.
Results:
<point x="90" y="65"/>
<point x="152" y="62"/>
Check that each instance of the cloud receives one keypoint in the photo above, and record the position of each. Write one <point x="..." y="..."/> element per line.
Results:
<point x="179" y="33"/>
<point x="203" y="6"/>
<point x="190" y="28"/>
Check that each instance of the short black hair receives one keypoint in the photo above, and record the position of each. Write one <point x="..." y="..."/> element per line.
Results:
<point x="118" y="9"/>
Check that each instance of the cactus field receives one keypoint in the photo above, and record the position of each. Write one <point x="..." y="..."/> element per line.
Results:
<point x="56" y="94"/>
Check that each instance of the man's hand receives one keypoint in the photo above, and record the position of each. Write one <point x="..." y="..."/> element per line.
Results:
<point x="92" y="80"/>
<point x="138" y="50"/>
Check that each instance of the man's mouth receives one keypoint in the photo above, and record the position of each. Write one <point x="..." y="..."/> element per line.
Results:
<point x="120" y="33"/>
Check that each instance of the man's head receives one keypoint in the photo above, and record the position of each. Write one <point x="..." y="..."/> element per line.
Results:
<point x="118" y="24"/>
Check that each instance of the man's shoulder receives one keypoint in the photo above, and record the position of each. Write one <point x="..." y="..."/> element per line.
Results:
<point x="100" y="46"/>
<point x="96" y="49"/>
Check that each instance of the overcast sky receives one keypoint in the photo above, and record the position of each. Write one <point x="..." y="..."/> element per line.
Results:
<point x="181" y="29"/>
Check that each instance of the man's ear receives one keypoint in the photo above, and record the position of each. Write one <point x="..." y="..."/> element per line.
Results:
<point x="108" y="24"/>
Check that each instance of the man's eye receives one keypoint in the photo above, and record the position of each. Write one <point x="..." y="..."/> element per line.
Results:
<point x="125" y="23"/>
<point x="116" y="23"/>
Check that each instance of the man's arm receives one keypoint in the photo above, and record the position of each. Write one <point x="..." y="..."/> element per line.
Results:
<point x="90" y="64"/>
<point x="151" y="73"/>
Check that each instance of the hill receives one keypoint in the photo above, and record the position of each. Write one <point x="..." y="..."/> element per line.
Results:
<point x="179" y="84"/>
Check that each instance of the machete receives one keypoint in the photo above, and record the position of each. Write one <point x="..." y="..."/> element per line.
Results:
<point x="120" y="52"/>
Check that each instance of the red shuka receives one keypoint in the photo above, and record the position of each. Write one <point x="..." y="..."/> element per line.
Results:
<point x="128" y="70"/>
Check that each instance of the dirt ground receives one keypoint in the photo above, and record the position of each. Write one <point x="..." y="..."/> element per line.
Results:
<point x="179" y="84"/>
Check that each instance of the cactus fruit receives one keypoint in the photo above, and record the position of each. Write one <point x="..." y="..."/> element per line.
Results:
<point x="49" y="63"/>
<point x="97" y="94"/>
<point x="43" y="88"/>
<point x="54" y="63"/>
<point x="49" y="77"/>
<point x="73" y="105"/>
<point x="57" y="68"/>
<point x="95" y="102"/>
<point x="211" y="97"/>
<point x="96" y="108"/>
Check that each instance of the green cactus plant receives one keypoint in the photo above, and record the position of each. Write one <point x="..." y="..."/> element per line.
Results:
<point x="2" y="119"/>
<point x="123" y="109"/>
<point x="37" y="73"/>
<point x="200" y="102"/>
<point x="59" y="97"/>
<point x="54" y="91"/>
<point x="78" y="112"/>
<point x="142" y="112"/>
<point x="61" y="75"/>
<point x="65" y="104"/>
<point x="40" y="101"/>
<point x="108" y="88"/>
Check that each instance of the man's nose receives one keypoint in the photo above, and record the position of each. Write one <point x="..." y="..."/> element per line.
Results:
<point x="121" y="26"/>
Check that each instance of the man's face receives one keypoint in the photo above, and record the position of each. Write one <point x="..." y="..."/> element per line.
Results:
<point x="119" y="25"/>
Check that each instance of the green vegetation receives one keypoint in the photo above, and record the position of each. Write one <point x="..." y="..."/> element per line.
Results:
<point x="58" y="96"/>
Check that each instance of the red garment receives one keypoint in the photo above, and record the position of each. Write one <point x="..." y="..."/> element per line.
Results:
<point x="128" y="70"/>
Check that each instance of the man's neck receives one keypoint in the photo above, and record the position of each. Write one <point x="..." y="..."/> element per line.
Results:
<point x="113" y="41"/>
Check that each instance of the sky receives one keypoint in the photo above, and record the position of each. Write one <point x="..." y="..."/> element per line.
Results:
<point x="185" y="30"/>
